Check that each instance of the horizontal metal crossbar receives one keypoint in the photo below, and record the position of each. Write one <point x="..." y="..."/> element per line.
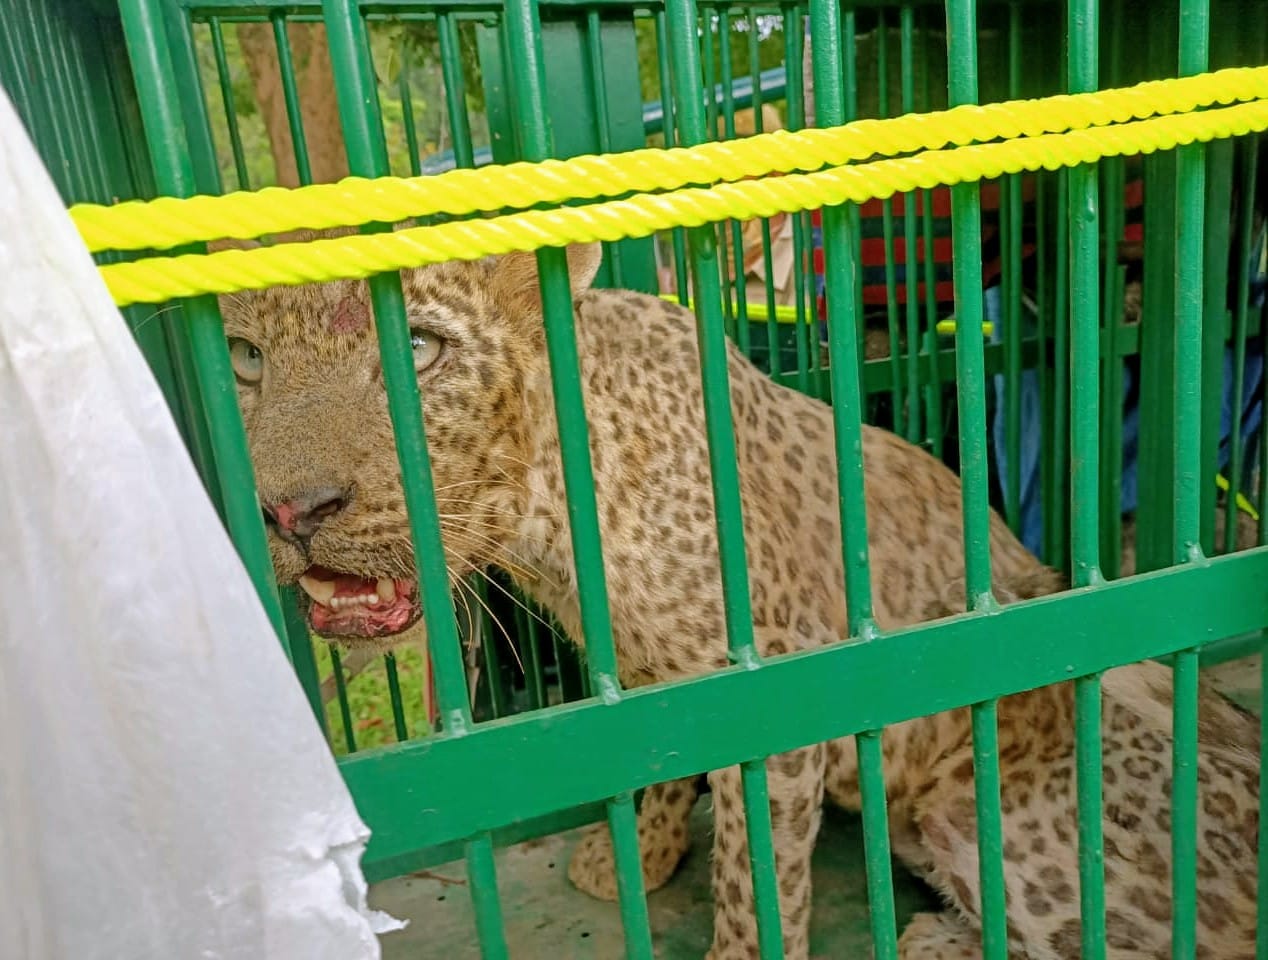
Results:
<point x="435" y="791"/>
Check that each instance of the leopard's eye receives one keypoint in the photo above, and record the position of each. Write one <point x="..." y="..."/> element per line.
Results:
<point x="248" y="361"/>
<point x="426" y="346"/>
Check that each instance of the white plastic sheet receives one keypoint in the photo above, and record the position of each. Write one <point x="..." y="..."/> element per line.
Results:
<point x="164" y="789"/>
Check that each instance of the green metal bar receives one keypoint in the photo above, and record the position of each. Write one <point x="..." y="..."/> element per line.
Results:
<point x="1010" y="215"/>
<point x="1083" y="214"/>
<point x="535" y="681"/>
<point x="455" y="90"/>
<point x="1115" y="276"/>
<point x="174" y="175"/>
<point x="341" y="695"/>
<point x="887" y="231"/>
<point x="1241" y="309"/>
<point x="1083" y="31"/>
<point x="624" y="830"/>
<point x="367" y="156"/>
<point x="743" y="333"/>
<point x="681" y="21"/>
<point x="793" y="52"/>
<point x="1057" y="504"/>
<point x="1217" y="242"/>
<point x="602" y="122"/>
<point x="488" y="646"/>
<point x="664" y="66"/>
<point x="1043" y="301"/>
<point x="523" y="31"/>
<point x="844" y="319"/>
<point x="971" y="380"/>
<point x="933" y="422"/>
<point x="906" y="28"/>
<point x="1190" y="196"/>
<point x="838" y="689"/>
<point x="231" y="111"/>
<point x="302" y="657"/>
<point x="290" y="92"/>
<point x="524" y="35"/>
<point x="841" y="277"/>
<point x="394" y="695"/>
<point x="407" y="112"/>
<point x="775" y="362"/>
<point x="880" y="876"/>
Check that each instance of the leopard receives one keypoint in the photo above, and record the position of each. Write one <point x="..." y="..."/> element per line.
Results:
<point x="311" y="391"/>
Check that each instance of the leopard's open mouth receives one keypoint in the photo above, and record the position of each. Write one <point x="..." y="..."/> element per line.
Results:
<point x="347" y="605"/>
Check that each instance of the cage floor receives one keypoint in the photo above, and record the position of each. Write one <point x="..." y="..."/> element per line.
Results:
<point x="547" y="919"/>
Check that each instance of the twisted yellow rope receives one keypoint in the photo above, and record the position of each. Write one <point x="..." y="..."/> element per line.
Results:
<point x="156" y="279"/>
<point x="169" y="222"/>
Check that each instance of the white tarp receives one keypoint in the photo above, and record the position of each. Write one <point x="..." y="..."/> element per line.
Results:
<point x="164" y="789"/>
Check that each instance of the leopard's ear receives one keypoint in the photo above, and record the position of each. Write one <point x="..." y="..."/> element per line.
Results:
<point x="513" y="277"/>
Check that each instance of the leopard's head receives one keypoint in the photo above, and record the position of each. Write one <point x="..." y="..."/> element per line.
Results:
<point x="313" y="400"/>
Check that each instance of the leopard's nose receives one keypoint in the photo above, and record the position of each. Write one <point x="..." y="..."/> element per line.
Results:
<point x="299" y="517"/>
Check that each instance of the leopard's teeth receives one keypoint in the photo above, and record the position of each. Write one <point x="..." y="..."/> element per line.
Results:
<point x="322" y="591"/>
<point x="387" y="589"/>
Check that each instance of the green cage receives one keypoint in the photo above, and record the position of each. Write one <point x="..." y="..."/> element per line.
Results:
<point x="1082" y="344"/>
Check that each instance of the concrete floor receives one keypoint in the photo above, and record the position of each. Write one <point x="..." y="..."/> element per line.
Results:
<point x="547" y="919"/>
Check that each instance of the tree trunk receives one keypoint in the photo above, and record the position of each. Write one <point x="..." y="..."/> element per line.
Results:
<point x="315" y="84"/>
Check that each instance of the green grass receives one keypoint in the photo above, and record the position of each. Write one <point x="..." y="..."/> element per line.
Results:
<point x="370" y="701"/>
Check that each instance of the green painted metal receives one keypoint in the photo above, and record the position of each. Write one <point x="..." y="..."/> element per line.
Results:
<point x="294" y="117"/>
<point x="226" y="97"/>
<point x="151" y="57"/>
<point x="1187" y="413"/>
<point x="1083" y="214"/>
<point x="561" y="87"/>
<point x="681" y="20"/>
<point x="444" y="788"/>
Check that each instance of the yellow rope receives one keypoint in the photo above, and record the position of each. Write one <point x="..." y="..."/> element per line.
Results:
<point x="169" y="222"/>
<point x="156" y="279"/>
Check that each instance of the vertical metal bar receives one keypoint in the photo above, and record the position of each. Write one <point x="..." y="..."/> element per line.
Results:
<point x="910" y="277"/>
<point x="602" y="123"/>
<point x="341" y="694"/>
<point x="290" y="93"/>
<point x="174" y="175"/>
<point x="394" y="695"/>
<point x="1011" y="211"/>
<point x="1241" y="309"/>
<point x="736" y="232"/>
<point x="794" y="87"/>
<point x="934" y="425"/>
<point x="844" y="316"/>
<point x="1057" y="504"/>
<point x="231" y="111"/>
<point x="664" y="65"/>
<point x="526" y="630"/>
<point x="1083" y="30"/>
<point x="887" y="231"/>
<point x="455" y="90"/>
<point x="682" y="26"/>
<point x="302" y="657"/>
<point x="407" y="111"/>
<point x="775" y="363"/>
<point x="523" y="31"/>
<point x="971" y="377"/>
<point x="367" y="156"/>
<point x="1190" y="196"/>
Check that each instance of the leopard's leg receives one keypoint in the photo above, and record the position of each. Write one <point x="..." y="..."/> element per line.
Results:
<point x="939" y="936"/>
<point x="663" y="840"/>
<point x="795" y="787"/>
